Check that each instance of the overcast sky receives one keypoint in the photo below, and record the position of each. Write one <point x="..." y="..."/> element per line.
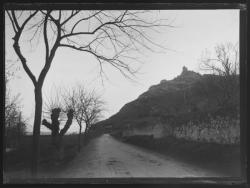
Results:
<point x="193" y="32"/>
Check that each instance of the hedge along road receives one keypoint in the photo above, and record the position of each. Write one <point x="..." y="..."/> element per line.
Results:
<point x="106" y="157"/>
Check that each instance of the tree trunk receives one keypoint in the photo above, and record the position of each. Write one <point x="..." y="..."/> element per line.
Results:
<point x="79" y="138"/>
<point x="85" y="138"/>
<point x="19" y="130"/>
<point x="36" y="130"/>
<point x="57" y="137"/>
<point x="60" y="149"/>
<point x="5" y="134"/>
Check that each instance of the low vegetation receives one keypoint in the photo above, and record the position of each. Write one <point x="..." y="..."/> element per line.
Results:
<point x="18" y="160"/>
<point x="222" y="158"/>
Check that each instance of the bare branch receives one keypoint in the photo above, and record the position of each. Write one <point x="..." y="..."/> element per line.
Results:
<point x="47" y="124"/>
<point x="17" y="47"/>
<point x="87" y="106"/>
<point x="23" y="61"/>
<point x="60" y="16"/>
<point x="91" y="32"/>
<point x="27" y="20"/>
<point x="46" y="37"/>
<point x="48" y="14"/>
<point x="15" y="20"/>
<point x="12" y="22"/>
<point x="84" y="19"/>
<point x="68" y="123"/>
<point x="70" y="17"/>
<point x="225" y="62"/>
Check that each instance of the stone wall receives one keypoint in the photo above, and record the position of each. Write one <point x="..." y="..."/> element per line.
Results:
<point x="223" y="130"/>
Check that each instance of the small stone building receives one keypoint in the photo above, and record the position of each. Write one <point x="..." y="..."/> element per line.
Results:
<point x="155" y="129"/>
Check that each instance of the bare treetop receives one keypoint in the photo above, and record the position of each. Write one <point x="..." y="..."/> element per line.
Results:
<point x="87" y="105"/>
<point x="224" y="62"/>
<point x="110" y="36"/>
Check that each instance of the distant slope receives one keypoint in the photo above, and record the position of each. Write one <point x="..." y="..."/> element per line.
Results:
<point x="189" y="96"/>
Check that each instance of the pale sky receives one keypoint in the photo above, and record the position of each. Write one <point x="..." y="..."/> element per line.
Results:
<point x="194" y="31"/>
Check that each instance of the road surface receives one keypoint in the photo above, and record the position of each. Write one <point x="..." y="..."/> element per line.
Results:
<point x="106" y="157"/>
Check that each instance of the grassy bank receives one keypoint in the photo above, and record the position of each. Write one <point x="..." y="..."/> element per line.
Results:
<point x="222" y="158"/>
<point x="17" y="161"/>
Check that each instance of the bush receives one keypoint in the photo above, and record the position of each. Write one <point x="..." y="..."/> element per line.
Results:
<point x="14" y="133"/>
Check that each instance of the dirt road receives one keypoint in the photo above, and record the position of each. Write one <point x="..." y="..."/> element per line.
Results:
<point x="107" y="157"/>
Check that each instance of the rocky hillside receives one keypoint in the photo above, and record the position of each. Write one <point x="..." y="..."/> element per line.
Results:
<point x="190" y="98"/>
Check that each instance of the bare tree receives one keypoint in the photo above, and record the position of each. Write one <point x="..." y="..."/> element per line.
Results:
<point x="57" y="133"/>
<point x="87" y="107"/>
<point x="14" y="123"/>
<point x="109" y="36"/>
<point x="15" y="129"/>
<point x="12" y="103"/>
<point x="11" y="106"/>
<point x="52" y="109"/>
<point x="225" y="64"/>
<point x="53" y="101"/>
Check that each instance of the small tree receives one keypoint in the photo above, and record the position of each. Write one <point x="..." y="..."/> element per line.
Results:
<point x="15" y="124"/>
<point x="12" y="108"/>
<point x="87" y="107"/>
<point x="15" y="129"/>
<point x="225" y="61"/>
<point x="57" y="133"/>
<point x="52" y="109"/>
<point x="224" y="64"/>
<point x="12" y="103"/>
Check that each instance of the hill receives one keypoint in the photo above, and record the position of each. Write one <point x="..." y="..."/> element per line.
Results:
<point x="189" y="100"/>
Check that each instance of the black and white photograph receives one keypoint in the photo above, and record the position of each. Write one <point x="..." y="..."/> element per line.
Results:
<point x="121" y="94"/>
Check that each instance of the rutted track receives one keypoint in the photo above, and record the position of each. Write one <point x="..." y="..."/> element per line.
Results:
<point x="107" y="157"/>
